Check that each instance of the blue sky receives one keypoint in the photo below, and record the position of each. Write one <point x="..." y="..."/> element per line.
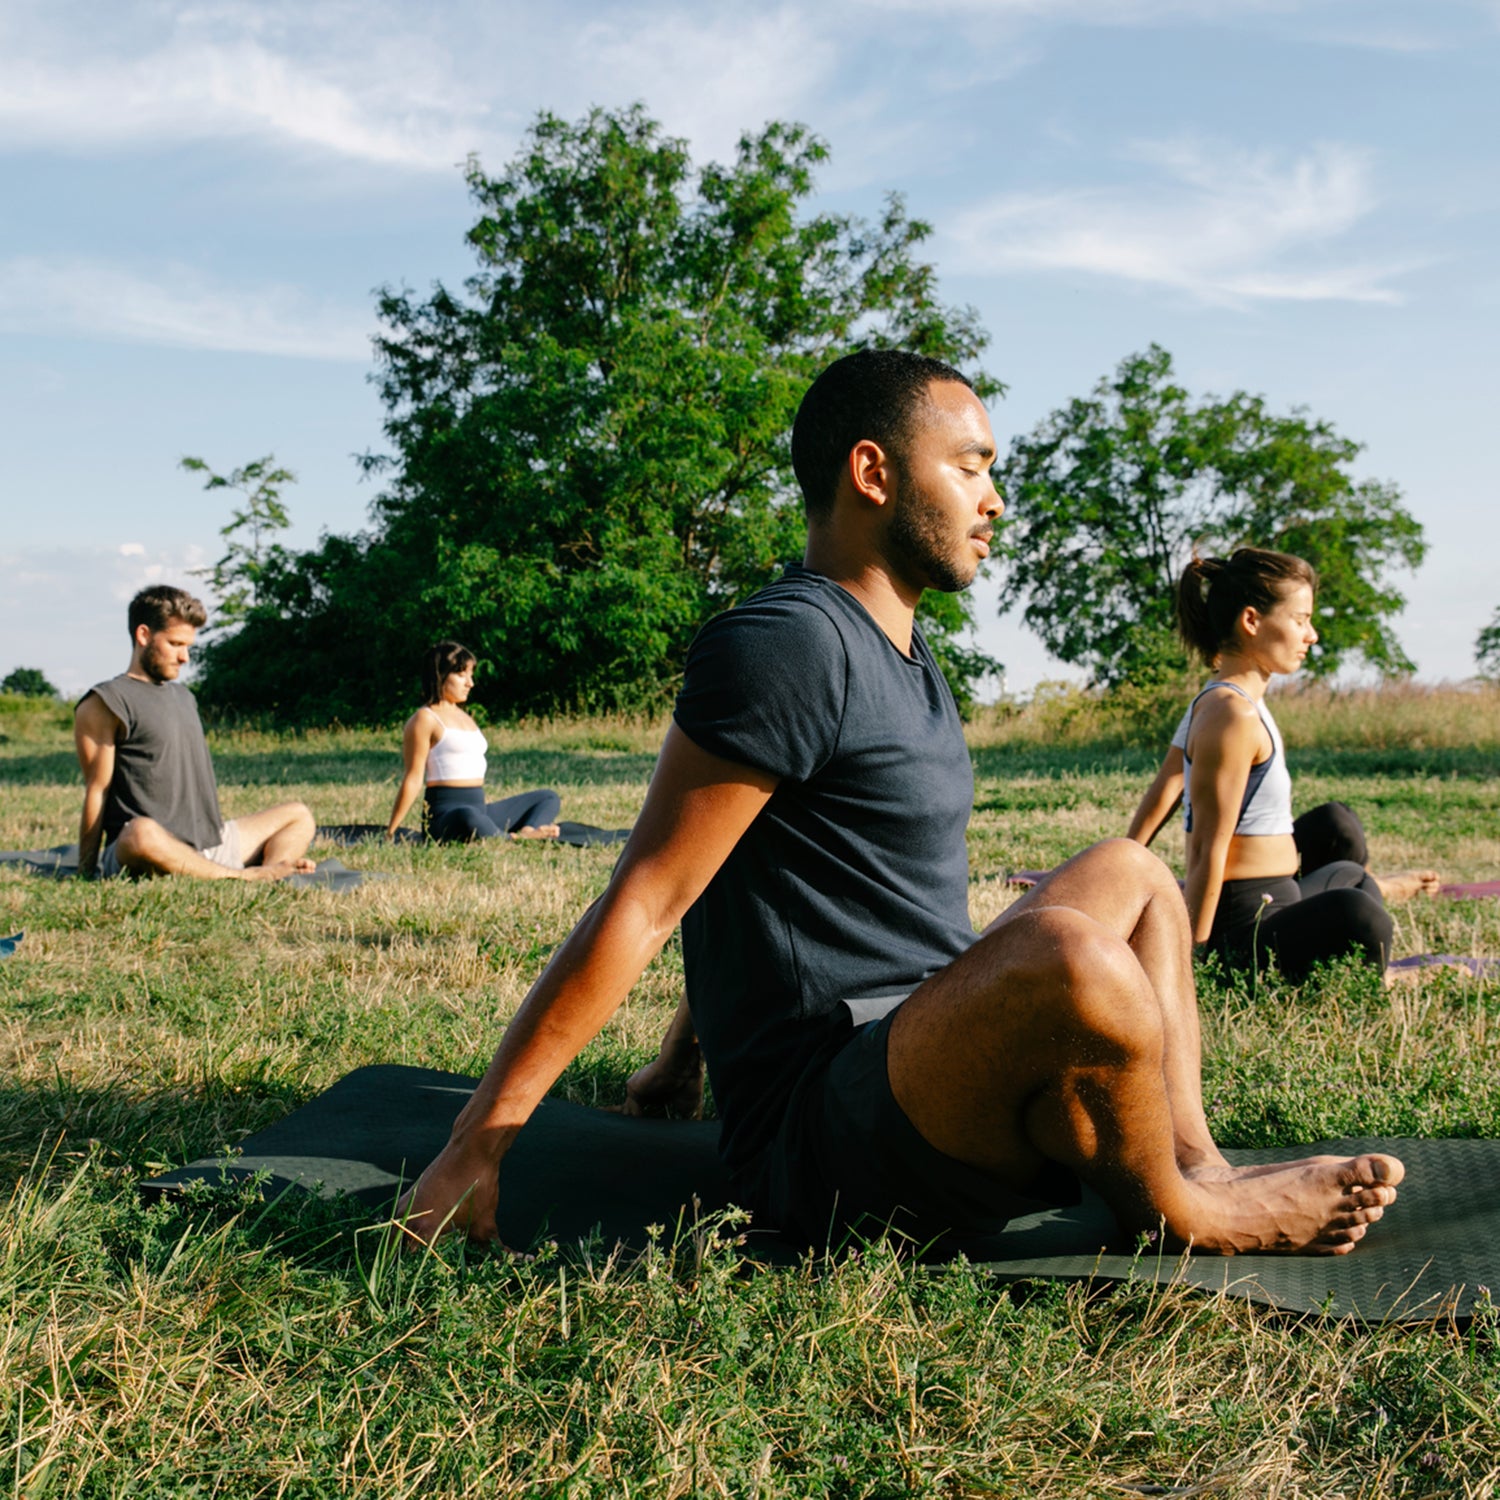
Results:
<point x="1296" y="197"/>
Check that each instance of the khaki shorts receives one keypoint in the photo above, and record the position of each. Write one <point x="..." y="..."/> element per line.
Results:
<point x="227" y="852"/>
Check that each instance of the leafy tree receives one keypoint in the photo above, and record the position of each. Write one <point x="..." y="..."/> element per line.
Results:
<point x="237" y="575"/>
<point x="1110" y="495"/>
<point x="1487" y="647"/>
<point x="591" y="442"/>
<point x="28" y="682"/>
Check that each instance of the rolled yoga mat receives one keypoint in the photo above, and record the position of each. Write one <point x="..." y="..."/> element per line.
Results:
<point x="574" y="1170"/>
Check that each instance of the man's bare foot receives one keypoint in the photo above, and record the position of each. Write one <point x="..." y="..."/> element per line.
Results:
<point x="544" y="831"/>
<point x="459" y="1192"/>
<point x="1321" y="1206"/>
<point x="278" y="871"/>
<point x="1225" y="1171"/>
<point x="1395" y="889"/>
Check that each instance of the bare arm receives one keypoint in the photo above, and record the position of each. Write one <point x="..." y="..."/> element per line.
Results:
<point x="417" y="740"/>
<point x="94" y="730"/>
<point x="1226" y="734"/>
<point x="696" y="809"/>
<point x="1160" y="800"/>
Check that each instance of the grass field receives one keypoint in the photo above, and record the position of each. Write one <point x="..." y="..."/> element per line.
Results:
<point x="213" y="1348"/>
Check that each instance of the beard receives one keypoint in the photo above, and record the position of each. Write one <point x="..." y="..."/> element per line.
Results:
<point x="923" y="550"/>
<point x="159" y="666"/>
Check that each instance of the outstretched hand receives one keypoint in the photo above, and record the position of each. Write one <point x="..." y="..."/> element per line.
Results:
<point x="460" y="1191"/>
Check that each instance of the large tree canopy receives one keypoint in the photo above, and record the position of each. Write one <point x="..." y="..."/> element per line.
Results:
<point x="590" y="444"/>
<point x="1110" y="495"/>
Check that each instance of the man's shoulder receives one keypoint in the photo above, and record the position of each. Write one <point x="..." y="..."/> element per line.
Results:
<point x="797" y="603"/>
<point x="112" y="694"/>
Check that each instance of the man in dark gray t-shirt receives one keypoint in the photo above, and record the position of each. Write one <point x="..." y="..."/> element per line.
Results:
<point x="150" y="799"/>
<point x="876" y="1062"/>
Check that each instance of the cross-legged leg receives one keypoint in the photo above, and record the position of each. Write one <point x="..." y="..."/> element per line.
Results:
<point x="278" y="837"/>
<point x="1134" y="896"/>
<point x="146" y="848"/>
<point x="1064" y="1035"/>
<point x="527" y="814"/>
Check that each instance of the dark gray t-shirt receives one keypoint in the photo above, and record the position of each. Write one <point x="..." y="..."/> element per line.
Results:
<point x="853" y="881"/>
<point x="162" y="765"/>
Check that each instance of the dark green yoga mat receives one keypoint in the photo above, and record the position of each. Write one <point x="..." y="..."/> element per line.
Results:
<point x="573" y="1170"/>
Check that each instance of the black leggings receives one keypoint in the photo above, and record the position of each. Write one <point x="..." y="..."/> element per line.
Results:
<point x="457" y="814"/>
<point x="1331" y="909"/>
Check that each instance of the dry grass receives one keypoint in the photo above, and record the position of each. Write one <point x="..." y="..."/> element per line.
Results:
<point x="219" y="1348"/>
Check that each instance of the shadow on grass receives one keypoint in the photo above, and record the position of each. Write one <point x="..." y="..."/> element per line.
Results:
<point x="142" y="1128"/>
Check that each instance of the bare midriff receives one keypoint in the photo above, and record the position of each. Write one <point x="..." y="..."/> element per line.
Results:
<point x="1261" y="856"/>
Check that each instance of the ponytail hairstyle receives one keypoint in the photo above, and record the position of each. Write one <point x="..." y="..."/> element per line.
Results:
<point x="438" y="662"/>
<point x="1214" y="591"/>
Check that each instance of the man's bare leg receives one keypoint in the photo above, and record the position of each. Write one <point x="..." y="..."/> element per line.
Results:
<point x="1047" y="1042"/>
<point x="146" y="848"/>
<point x="277" y="838"/>
<point x="1133" y="895"/>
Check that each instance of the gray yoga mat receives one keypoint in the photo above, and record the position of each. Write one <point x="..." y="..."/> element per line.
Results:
<point x="579" y="835"/>
<point x="573" y="1170"/>
<point x="61" y="862"/>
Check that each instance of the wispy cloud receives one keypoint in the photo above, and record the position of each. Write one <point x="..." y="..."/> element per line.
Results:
<point x="88" y="641"/>
<point x="709" y="75"/>
<point x="360" y="83"/>
<point x="176" y="306"/>
<point x="1221" y="224"/>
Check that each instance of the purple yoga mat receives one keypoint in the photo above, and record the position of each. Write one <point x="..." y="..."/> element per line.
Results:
<point x="1473" y="888"/>
<point x="1480" y="968"/>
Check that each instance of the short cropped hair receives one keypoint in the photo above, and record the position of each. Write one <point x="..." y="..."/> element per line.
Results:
<point x="439" y="662"/>
<point x="1214" y="592"/>
<point x="875" y="395"/>
<point x="158" y="604"/>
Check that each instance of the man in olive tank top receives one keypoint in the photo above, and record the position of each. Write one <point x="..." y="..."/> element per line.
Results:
<point x="149" y="798"/>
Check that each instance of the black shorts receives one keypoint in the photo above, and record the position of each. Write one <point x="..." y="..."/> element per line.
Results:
<point x="847" y="1161"/>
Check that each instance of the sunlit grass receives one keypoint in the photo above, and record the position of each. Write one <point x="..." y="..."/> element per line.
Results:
<point x="222" y="1347"/>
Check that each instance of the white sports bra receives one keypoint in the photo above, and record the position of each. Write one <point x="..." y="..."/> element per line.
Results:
<point x="458" y="755"/>
<point x="1267" y="805"/>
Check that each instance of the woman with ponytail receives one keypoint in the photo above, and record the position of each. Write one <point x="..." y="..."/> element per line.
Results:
<point x="1258" y="882"/>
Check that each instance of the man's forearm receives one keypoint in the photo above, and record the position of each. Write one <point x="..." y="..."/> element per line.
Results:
<point x="585" y="983"/>
<point x="90" y="832"/>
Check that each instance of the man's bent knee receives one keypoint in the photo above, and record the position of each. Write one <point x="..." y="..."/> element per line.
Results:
<point x="1074" y="975"/>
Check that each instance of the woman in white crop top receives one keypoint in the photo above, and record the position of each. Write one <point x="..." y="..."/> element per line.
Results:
<point x="1250" y="618"/>
<point x="443" y="748"/>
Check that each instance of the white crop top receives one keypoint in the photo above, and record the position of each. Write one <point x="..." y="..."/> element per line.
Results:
<point x="1267" y="805"/>
<point x="458" y="755"/>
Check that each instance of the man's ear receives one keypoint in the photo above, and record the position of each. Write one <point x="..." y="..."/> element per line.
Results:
<point x="870" y="471"/>
<point x="141" y="636"/>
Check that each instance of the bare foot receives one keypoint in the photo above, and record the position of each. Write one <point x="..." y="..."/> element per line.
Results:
<point x="278" y="871"/>
<point x="1225" y="1171"/>
<point x="1321" y="1206"/>
<point x="545" y="831"/>
<point x="1395" y="889"/>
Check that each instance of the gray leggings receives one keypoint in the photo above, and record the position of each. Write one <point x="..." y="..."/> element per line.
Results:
<point x="457" y="814"/>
